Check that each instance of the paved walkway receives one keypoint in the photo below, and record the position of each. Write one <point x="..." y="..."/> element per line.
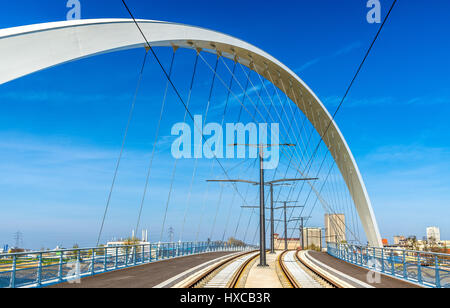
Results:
<point x="264" y="277"/>
<point x="359" y="273"/>
<point x="144" y="276"/>
<point x="155" y="274"/>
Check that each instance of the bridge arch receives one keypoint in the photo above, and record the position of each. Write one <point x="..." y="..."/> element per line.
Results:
<point x="28" y="49"/>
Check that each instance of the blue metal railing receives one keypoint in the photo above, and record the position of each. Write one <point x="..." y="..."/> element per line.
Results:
<point x="425" y="268"/>
<point x="37" y="269"/>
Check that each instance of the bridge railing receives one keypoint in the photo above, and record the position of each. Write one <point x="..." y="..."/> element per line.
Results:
<point x="37" y="269"/>
<point x="421" y="267"/>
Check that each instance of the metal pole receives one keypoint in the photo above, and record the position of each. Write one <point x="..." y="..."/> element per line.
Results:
<point x="106" y="258"/>
<point x="285" y="226"/>
<point x="93" y="262"/>
<point x="39" y="273"/>
<point x="437" y="275"/>
<point x="262" y="220"/>
<point x="117" y="258"/>
<point x="301" y="233"/>
<point x="150" y="253"/>
<point x="13" y="272"/>
<point x="60" y="271"/>
<point x="272" y="239"/>
<point x="419" y="268"/>
<point x="301" y="236"/>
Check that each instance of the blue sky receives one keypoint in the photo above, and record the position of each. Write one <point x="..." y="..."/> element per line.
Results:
<point x="60" y="129"/>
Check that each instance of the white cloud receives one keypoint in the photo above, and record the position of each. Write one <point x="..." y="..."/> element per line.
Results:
<point x="308" y="65"/>
<point x="408" y="186"/>
<point x="408" y="154"/>
<point x="55" y="96"/>
<point x="345" y="50"/>
<point x="333" y="101"/>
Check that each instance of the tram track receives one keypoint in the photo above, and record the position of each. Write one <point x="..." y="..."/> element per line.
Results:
<point x="286" y="278"/>
<point x="227" y="274"/>
<point x="293" y="268"/>
<point x="295" y="273"/>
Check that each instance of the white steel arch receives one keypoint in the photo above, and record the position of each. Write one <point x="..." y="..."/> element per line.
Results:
<point x="28" y="49"/>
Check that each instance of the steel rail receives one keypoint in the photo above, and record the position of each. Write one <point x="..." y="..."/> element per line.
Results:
<point x="237" y="277"/>
<point x="286" y="273"/>
<point x="215" y="269"/>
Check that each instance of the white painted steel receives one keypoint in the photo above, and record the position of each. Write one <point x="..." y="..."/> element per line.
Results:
<point x="29" y="49"/>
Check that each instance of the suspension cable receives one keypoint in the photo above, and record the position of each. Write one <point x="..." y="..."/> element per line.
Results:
<point x="196" y="159"/>
<point x="154" y="144"/>
<point x="176" y="161"/>
<point x="149" y="47"/>
<point x="341" y="103"/>
<point x="349" y="88"/>
<point x="308" y="166"/>
<point x="217" y="210"/>
<point x="130" y="117"/>
<point x="355" y="76"/>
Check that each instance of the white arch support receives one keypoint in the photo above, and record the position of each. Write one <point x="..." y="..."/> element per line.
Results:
<point x="28" y="49"/>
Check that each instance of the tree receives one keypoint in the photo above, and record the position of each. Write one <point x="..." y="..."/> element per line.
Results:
<point x="412" y="243"/>
<point x="234" y="242"/>
<point x="100" y="251"/>
<point x="132" y="241"/>
<point x="73" y="254"/>
<point x="313" y="247"/>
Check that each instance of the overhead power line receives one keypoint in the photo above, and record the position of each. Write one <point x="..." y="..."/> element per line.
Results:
<point x="309" y="164"/>
<point x="353" y="80"/>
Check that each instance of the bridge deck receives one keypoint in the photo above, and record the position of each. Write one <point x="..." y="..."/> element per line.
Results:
<point x="145" y="276"/>
<point x="359" y="273"/>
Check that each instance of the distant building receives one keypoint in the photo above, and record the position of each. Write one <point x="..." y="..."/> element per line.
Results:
<point x="433" y="234"/>
<point x="385" y="242"/>
<point x="113" y="248"/>
<point x="292" y="243"/>
<point x="399" y="240"/>
<point x="16" y="250"/>
<point x="126" y="243"/>
<point x="335" y="228"/>
<point x="312" y="236"/>
<point x="132" y="241"/>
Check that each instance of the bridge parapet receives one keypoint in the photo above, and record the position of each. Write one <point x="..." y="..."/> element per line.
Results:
<point x="428" y="269"/>
<point x="36" y="269"/>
